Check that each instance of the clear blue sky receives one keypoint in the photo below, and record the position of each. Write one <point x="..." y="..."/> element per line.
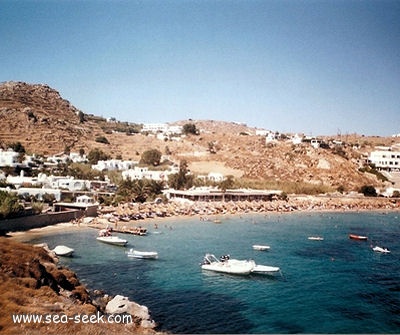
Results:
<point x="318" y="67"/>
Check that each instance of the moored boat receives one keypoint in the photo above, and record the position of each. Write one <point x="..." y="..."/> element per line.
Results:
<point x="316" y="238"/>
<point x="358" y="237"/>
<point x="142" y="254"/>
<point x="212" y="263"/>
<point x="106" y="237"/>
<point x="114" y="240"/>
<point x="261" y="247"/>
<point x="63" y="250"/>
<point x="381" y="249"/>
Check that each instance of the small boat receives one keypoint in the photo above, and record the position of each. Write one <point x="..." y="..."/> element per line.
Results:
<point x="106" y="237"/>
<point x="63" y="250"/>
<point x="261" y="247"/>
<point x="265" y="269"/>
<point x="381" y="249"/>
<point x="358" y="237"/>
<point x="236" y="267"/>
<point x="315" y="238"/>
<point x="142" y="254"/>
<point x="114" y="240"/>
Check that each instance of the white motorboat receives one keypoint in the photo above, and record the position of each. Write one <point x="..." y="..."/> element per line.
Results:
<point x="381" y="249"/>
<point x="115" y="240"/>
<point x="142" y="254"/>
<point x="63" y="250"/>
<point x="261" y="247"/>
<point x="315" y="238"/>
<point x="265" y="269"/>
<point x="237" y="267"/>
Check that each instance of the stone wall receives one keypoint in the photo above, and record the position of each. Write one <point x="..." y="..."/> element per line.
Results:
<point x="37" y="221"/>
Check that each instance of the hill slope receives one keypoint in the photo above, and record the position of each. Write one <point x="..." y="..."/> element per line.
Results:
<point x="45" y="123"/>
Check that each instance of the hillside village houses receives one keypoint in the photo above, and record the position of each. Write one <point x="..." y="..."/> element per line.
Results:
<point x="384" y="158"/>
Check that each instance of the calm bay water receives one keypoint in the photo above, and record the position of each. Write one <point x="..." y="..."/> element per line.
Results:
<point x="333" y="286"/>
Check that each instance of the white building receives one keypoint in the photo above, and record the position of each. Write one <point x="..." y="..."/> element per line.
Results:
<point x="21" y="180"/>
<point x="145" y="173"/>
<point x="8" y="157"/>
<point x="385" y="159"/>
<point x="161" y="128"/>
<point x="296" y="139"/>
<point x="114" y="165"/>
<point x="155" y="127"/>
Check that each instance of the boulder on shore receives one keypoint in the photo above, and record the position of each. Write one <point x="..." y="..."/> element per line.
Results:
<point x="120" y="305"/>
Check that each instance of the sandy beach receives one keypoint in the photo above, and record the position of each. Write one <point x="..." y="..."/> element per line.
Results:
<point x="127" y="216"/>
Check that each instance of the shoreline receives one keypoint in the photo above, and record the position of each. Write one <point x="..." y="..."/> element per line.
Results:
<point x="209" y="211"/>
<point x="179" y="212"/>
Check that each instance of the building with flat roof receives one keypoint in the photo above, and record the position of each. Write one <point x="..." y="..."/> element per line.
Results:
<point x="202" y="194"/>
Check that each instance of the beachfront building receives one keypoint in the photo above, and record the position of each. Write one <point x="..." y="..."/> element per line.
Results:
<point x="84" y="204"/>
<point x="213" y="194"/>
<point x="385" y="159"/>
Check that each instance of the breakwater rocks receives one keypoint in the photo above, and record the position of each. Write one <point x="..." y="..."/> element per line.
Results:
<point x="33" y="284"/>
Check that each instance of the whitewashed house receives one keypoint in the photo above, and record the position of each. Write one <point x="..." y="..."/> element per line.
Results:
<point x="8" y="158"/>
<point x="262" y="132"/>
<point x="144" y="173"/>
<point x="215" y="177"/>
<point x="296" y="139"/>
<point x="385" y="159"/>
<point x="114" y="165"/>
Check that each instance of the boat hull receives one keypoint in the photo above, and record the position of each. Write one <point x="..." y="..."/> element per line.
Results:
<point x="315" y="238"/>
<point x="142" y="254"/>
<point x="358" y="237"/>
<point x="261" y="247"/>
<point x="112" y="240"/>
<point x="265" y="269"/>
<point x="225" y="267"/>
<point x="381" y="250"/>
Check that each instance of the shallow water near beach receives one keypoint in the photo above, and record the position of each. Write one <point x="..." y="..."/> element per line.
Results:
<point x="336" y="285"/>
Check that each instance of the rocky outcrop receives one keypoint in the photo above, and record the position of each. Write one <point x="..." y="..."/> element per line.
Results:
<point x="121" y="305"/>
<point x="31" y="282"/>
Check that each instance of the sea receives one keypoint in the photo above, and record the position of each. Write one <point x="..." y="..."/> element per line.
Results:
<point x="337" y="285"/>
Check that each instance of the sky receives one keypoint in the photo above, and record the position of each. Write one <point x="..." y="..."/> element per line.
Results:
<point x="316" y="67"/>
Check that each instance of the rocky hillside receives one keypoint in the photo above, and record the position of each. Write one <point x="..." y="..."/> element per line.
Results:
<point x="45" y="123"/>
<point x="32" y="282"/>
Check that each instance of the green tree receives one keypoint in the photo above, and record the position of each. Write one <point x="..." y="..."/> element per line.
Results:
<point x="227" y="183"/>
<point x="9" y="205"/>
<point x="368" y="191"/>
<point x="182" y="179"/>
<point x="102" y="139"/>
<point x="151" y="157"/>
<point x="17" y="147"/>
<point x="138" y="190"/>
<point x="96" y="155"/>
<point x="190" y="128"/>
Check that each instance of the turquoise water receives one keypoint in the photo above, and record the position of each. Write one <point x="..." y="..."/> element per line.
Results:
<point x="333" y="286"/>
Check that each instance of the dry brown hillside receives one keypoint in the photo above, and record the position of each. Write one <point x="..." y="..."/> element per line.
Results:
<point x="45" y="123"/>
